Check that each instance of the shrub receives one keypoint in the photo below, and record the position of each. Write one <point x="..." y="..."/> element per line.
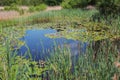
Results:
<point x="75" y="4"/>
<point x="31" y="9"/>
<point x="108" y="6"/>
<point x="7" y="8"/>
<point x="53" y="2"/>
<point x="40" y="7"/>
<point x="66" y="4"/>
<point x="12" y="7"/>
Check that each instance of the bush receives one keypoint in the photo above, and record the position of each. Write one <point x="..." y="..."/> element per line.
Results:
<point x="75" y="4"/>
<point x="104" y="6"/>
<point x="53" y="2"/>
<point x="108" y="6"/>
<point x="12" y="7"/>
<point x="66" y="4"/>
<point x="40" y="7"/>
<point x="7" y="8"/>
<point x="31" y="9"/>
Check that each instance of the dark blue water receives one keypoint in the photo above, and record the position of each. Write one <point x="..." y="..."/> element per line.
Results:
<point x="40" y="46"/>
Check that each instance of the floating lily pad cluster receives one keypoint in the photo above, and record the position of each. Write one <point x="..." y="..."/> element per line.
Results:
<point x="84" y="32"/>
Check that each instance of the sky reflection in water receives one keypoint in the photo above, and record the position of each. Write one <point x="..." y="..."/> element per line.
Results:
<point x="41" y="46"/>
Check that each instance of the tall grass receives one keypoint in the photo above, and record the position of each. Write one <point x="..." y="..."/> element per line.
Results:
<point x="83" y="66"/>
<point x="51" y="16"/>
<point x="62" y="64"/>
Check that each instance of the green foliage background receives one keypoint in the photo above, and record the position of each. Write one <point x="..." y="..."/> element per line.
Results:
<point x="30" y="2"/>
<point x="104" y="6"/>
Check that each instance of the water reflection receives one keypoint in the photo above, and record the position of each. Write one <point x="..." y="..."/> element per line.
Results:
<point x="41" y="46"/>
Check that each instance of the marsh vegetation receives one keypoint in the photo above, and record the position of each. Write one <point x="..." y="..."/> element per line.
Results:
<point x="67" y="44"/>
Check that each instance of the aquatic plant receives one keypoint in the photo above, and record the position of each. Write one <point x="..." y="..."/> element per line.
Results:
<point x="83" y="66"/>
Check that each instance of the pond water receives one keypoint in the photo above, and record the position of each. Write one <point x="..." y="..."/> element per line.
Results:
<point x="40" y="46"/>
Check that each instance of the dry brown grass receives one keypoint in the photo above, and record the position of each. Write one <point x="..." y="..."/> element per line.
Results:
<point x="53" y="8"/>
<point x="6" y="15"/>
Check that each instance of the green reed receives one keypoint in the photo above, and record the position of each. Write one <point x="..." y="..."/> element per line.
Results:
<point x="67" y="67"/>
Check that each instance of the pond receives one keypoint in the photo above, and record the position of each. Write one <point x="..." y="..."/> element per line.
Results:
<point x="40" y="46"/>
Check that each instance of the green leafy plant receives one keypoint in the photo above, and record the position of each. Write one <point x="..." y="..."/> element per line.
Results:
<point x="40" y="7"/>
<point x="75" y="4"/>
<point x="12" y="7"/>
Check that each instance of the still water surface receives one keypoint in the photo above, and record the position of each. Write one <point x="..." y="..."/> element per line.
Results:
<point x="40" y="46"/>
